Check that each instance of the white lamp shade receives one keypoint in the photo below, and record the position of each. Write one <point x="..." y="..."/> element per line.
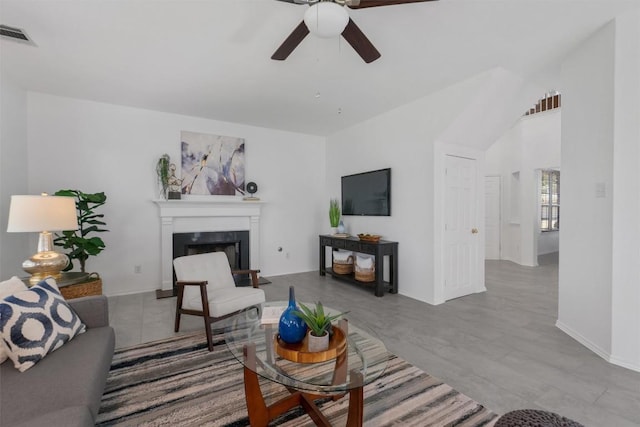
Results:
<point x="326" y="19"/>
<point x="42" y="213"/>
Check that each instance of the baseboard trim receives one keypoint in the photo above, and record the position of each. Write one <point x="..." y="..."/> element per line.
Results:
<point x="584" y="341"/>
<point x="624" y="364"/>
<point x="595" y="348"/>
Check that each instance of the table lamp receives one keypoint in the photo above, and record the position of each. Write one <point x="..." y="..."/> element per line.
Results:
<point x="43" y="214"/>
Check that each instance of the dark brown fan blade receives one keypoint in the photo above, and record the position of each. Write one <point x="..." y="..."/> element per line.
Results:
<point x="291" y="42"/>
<point x="360" y="42"/>
<point x="376" y="3"/>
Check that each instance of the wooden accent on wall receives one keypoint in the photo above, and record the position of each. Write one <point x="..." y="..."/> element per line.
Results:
<point x="547" y="103"/>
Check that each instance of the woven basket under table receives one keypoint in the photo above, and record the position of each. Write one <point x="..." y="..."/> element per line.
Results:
<point x="93" y="286"/>
<point x="343" y="267"/>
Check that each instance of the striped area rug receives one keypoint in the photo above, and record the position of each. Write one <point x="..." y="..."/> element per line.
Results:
<point x="177" y="382"/>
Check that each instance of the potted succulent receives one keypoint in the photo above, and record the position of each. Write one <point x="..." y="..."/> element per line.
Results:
<point x="81" y="244"/>
<point x="334" y="215"/>
<point x="319" y="324"/>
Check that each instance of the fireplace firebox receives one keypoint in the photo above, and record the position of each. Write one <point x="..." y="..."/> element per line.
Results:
<point x="235" y="244"/>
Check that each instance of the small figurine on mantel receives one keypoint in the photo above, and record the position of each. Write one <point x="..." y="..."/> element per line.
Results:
<point x="252" y="188"/>
<point x="174" y="184"/>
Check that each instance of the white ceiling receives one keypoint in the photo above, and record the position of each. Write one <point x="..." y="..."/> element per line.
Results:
<point x="211" y="58"/>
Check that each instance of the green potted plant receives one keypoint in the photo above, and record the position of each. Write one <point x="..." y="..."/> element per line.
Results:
<point x="79" y="242"/>
<point x="319" y="324"/>
<point x="163" y="172"/>
<point x="334" y="215"/>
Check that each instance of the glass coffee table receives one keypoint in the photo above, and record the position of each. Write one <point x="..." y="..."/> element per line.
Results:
<point x="256" y="346"/>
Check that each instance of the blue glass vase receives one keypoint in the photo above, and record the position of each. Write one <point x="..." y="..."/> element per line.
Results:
<point x="291" y="328"/>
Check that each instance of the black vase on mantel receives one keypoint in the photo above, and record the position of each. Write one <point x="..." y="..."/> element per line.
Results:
<point x="291" y="328"/>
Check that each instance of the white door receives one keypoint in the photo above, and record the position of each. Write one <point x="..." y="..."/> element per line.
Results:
<point x="492" y="188"/>
<point x="461" y="231"/>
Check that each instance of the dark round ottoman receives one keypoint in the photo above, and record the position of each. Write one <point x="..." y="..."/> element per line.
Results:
<point x="534" y="418"/>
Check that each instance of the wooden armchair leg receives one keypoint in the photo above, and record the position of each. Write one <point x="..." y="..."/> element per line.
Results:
<point x="207" y="327"/>
<point x="207" y="318"/>
<point x="178" y="308"/>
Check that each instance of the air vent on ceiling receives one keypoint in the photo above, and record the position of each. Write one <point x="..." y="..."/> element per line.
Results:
<point x="15" y="34"/>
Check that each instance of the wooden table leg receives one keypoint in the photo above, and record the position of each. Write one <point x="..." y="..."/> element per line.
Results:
<point x="322" y="259"/>
<point x="256" y="407"/>
<point x="379" y="275"/>
<point x="260" y="414"/>
<point x="340" y="371"/>
<point x="356" y="401"/>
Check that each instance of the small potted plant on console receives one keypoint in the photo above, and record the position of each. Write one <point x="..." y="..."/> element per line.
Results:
<point x="319" y="324"/>
<point x="334" y="215"/>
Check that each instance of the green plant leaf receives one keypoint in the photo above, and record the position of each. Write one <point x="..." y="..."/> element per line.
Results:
<point x="79" y="242"/>
<point x="315" y="318"/>
<point x="334" y="212"/>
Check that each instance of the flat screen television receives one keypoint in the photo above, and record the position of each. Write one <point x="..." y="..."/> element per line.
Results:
<point x="367" y="193"/>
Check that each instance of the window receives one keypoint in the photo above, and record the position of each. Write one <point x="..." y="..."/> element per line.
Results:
<point x="550" y="200"/>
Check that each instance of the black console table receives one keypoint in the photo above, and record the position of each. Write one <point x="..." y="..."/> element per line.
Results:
<point x="380" y="250"/>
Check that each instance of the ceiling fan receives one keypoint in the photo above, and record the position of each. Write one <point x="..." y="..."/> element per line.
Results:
<point x="328" y="18"/>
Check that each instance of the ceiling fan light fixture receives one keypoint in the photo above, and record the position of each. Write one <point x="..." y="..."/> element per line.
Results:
<point x="326" y="19"/>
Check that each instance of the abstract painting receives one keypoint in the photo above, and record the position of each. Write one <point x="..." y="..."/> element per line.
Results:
<point x="212" y="164"/>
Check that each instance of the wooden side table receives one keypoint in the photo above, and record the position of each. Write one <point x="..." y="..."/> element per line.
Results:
<point x="75" y="284"/>
<point x="380" y="249"/>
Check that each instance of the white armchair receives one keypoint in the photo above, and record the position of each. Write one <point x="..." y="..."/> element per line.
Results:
<point x="206" y="288"/>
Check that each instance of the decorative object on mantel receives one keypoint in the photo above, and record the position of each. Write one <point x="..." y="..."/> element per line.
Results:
<point x="334" y="215"/>
<point x="212" y="164"/>
<point x="252" y="188"/>
<point x="291" y="328"/>
<point x="341" y="229"/>
<point x="162" y="170"/>
<point x="174" y="184"/>
<point x="167" y="180"/>
<point x="81" y="244"/>
<point x="319" y="325"/>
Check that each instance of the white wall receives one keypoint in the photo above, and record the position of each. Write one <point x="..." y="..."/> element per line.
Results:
<point x="548" y="242"/>
<point x="533" y="143"/>
<point x="14" y="247"/>
<point x="599" y="296"/>
<point x="625" y="293"/>
<point x="584" y="306"/>
<point x="402" y="139"/>
<point x="101" y="147"/>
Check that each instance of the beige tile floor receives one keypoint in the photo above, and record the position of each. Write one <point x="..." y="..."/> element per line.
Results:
<point x="500" y="347"/>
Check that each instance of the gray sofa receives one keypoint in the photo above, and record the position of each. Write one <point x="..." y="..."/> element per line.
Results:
<point x="65" y="388"/>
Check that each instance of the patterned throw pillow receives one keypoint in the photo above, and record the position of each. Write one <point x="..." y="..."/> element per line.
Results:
<point x="9" y="287"/>
<point x="36" y="322"/>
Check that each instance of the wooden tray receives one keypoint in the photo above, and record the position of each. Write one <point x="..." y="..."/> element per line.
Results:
<point x="369" y="238"/>
<point x="299" y="352"/>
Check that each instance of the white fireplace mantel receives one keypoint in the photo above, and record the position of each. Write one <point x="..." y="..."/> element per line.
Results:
<point x="192" y="216"/>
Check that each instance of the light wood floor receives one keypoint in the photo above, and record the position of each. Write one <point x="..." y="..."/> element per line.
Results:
<point x="501" y="347"/>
